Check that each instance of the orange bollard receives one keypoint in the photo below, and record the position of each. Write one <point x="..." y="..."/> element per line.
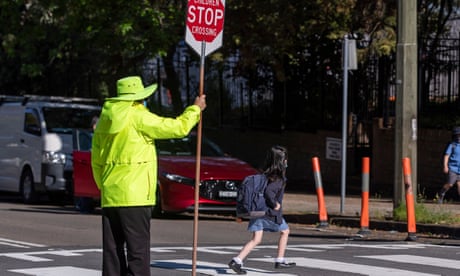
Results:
<point x="411" y="225"/>
<point x="365" y="197"/>
<point x="320" y="194"/>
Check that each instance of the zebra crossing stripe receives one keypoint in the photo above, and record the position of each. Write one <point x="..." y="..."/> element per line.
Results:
<point x="34" y="256"/>
<point x="225" y="250"/>
<point x="13" y="245"/>
<point x="411" y="259"/>
<point x="58" y="271"/>
<point x="349" y="267"/>
<point x="21" y="244"/>
<point x="210" y="268"/>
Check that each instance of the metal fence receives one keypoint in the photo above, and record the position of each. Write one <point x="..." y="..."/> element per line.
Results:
<point x="311" y="98"/>
<point x="439" y="75"/>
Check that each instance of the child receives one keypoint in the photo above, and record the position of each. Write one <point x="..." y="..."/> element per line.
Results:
<point x="451" y="164"/>
<point x="273" y="221"/>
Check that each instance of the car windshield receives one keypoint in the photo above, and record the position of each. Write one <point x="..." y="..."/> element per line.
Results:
<point x="187" y="147"/>
<point x="64" y="119"/>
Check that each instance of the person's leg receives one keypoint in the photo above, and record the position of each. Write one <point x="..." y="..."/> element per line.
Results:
<point x="256" y="240"/>
<point x="136" y="227"/>
<point x="451" y="179"/>
<point x="282" y="243"/>
<point x="113" y="253"/>
<point x="280" y="261"/>
<point x="458" y="188"/>
<point x="237" y="262"/>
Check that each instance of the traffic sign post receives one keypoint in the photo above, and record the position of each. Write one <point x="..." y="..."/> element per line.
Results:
<point x="205" y="25"/>
<point x="203" y="33"/>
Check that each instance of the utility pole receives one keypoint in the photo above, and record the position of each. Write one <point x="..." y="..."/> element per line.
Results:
<point x="406" y="96"/>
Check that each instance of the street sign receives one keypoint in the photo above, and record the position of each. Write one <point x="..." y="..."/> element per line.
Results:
<point x="205" y="25"/>
<point x="203" y="32"/>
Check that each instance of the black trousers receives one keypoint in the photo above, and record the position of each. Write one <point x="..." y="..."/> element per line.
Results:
<point x="130" y="227"/>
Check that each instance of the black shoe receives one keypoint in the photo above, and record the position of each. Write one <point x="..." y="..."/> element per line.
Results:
<point x="284" y="265"/>
<point x="236" y="267"/>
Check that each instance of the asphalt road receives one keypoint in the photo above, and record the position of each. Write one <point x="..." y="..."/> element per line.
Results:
<point x="56" y="240"/>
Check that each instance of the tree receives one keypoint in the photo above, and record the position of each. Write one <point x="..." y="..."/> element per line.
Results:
<point x="80" y="47"/>
<point x="77" y="47"/>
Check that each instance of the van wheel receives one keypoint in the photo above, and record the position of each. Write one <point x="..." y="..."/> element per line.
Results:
<point x="28" y="193"/>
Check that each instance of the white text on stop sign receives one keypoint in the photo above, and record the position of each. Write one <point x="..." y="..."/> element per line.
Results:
<point x="209" y="16"/>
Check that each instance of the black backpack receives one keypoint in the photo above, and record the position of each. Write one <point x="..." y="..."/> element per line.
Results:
<point x="250" y="201"/>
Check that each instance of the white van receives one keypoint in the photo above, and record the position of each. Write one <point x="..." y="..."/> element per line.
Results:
<point x="36" y="143"/>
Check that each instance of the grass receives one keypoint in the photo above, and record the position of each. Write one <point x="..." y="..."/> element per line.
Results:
<point x="425" y="215"/>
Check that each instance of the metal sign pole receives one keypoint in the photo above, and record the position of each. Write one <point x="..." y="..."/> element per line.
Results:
<point x="344" y="124"/>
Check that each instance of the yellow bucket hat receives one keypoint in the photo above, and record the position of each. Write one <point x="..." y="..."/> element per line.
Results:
<point x="132" y="89"/>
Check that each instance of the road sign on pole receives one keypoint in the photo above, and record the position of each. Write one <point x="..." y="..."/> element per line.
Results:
<point x="203" y="32"/>
<point x="349" y="63"/>
<point x="205" y="24"/>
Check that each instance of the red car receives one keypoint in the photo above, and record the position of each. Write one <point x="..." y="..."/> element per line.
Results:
<point x="220" y="175"/>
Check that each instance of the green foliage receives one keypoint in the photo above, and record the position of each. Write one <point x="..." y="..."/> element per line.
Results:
<point x="75" y="47"/>
<point x="426" y="215"/>
<point x="77" y="42"/>
<point x="289" y="33"/>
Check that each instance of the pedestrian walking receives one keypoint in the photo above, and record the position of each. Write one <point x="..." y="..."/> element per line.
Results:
<point x="124" y="164"/>
<point x="274" y="169"/>
<point x="451" y="165"/>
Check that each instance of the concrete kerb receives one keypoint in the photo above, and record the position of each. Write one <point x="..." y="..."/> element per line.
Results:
<point x="303" y="209"/>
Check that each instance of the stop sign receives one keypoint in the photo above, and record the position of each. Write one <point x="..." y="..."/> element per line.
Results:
<point x="205" y="24"/>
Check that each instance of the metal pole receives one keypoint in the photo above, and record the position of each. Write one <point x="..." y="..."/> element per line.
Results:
<point x="344" y="124"/>
<point x="198" y="163"/>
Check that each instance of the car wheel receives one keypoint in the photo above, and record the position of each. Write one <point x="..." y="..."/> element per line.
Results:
<point x="59" y="198"/>
<point x="85" y="205"/>
<point x="157" y="211"/>
<point x="28" y="193"/>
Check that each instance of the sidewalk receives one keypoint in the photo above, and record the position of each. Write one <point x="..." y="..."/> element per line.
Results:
<point x="303" y="208"/>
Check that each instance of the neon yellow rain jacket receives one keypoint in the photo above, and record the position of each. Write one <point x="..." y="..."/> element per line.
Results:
<point x="123" y="155"/>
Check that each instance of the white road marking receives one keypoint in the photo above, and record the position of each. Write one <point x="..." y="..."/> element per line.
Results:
<point x="213" y="268"/>
<point x="397" y="246"/>
<point x="225" y="250"/>
<point x="349" y="267"/>
<point x="34" y="256"/>
<point x="58" y="271"/>
<point x="210" y="268"/>
<point x="418" y="260"/>
<point x="22" y="244"/>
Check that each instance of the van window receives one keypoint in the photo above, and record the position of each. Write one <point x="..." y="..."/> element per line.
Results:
<point x="64" y="119"/>
<point x="32" y="122"/>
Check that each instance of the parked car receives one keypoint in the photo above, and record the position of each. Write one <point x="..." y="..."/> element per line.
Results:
<point x="220" y="175"/>
<point x="36" y="143"/>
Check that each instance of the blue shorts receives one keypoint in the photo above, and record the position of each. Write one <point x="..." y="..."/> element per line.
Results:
<point x="452" y="177"/>
<point x="267" y="225"/>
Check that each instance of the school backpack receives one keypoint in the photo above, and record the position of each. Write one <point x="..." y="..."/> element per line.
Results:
<point x="250" y="200"/>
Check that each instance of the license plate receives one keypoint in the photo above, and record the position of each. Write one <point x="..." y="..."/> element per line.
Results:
<point x="227" y="194"/>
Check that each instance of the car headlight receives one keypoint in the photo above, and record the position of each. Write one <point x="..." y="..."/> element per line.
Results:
<point x="179" y="178"/>
<point x="50" y="157"/>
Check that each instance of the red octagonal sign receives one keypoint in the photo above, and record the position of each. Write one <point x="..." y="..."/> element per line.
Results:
<point x="205" y="23"/>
